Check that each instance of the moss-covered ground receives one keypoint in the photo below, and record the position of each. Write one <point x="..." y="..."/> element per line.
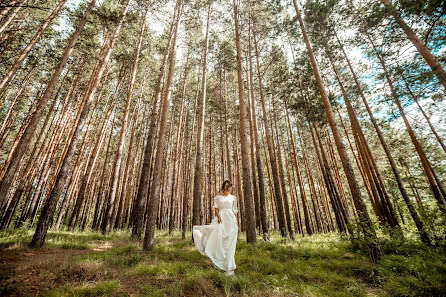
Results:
<point x="90" y="264"/>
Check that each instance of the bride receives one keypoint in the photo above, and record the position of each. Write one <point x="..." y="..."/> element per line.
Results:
<point x="218" y="239"/>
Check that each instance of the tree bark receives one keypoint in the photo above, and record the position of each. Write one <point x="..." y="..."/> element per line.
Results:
<point x="272" y="158"/>
<point x="75" y="134"/>
<point x="428" y="170"/>
<point x="251" y="236"/>
<point x="422" y="48"/>
<point x="198" y="175"/>
<point x="25" y="52"/>
<point x="154" y="197"/>
<point x="139" y="204"/>
<point x="366" y="223"/>
<point x="7" y="181"/>
<point x="108" y="222"/>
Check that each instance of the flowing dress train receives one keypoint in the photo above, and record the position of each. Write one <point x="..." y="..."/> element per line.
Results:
<point x="218" y="240"/>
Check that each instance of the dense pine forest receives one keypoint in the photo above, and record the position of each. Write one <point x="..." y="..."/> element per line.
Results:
<point x="119" y="121"/>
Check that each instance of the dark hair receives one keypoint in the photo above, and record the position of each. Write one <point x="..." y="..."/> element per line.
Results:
<point x="224" y="183"/>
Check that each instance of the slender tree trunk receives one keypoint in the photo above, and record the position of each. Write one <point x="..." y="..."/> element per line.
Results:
<point x="366" y="223"/>
<point x="154" y="197"/>
<point x="372" y="169"/>
<point x="428" y="170"/>
<point x="261" y="181"/>
<point x="250" y="96"/>
<point x="422" y="48"/>
<point x="7" y="181"/>
<point x="177" y="153"/>
<point x="62" y="174"/>
<point x="307" y="221"/>
<point x="93" y="159"/>
<point x="198" y="175"/>
<point x="99" y="200"/>
<point x="7" y="118"/>
<point x="272" y="158"/>
<point x="386" y="148"/>
<point x="108" y="222"/>
<point x="25" y="52"/>
<point x="11" y="16"/>
<point x="139" y="204"/>
<point x="311" y="183"/>
<point x="282" y="177"/>
<point x="247" y="187"/>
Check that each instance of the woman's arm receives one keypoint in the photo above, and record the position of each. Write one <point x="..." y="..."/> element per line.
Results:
<point x="217" y="214"/>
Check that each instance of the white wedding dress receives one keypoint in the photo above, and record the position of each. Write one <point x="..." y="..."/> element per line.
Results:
<point x="218" y="240"/>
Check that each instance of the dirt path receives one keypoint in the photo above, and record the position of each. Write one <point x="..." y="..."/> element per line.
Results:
<point x="31" y="272"/>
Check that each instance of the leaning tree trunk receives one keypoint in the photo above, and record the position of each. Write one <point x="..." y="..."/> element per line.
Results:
<point x="428" y="170"/>
<point x="139" y="204"/>
<point x="386" y="148"/>
<point x="25" y="52"/>
<point x="422" y="48"/>
<point x="75" y="134"/>
<point x="108" y="222"/>
<point x="372" y="170"/>
<point x="7" y="181"/>
<point x="154" y="197"/>
<point x="366" y="223"/>
<point x="92" y="161"/>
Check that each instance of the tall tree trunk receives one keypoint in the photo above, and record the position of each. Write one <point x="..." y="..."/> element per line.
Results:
<point x="272" y="158"/>
<point x="198" y="175"/>
<point x="177" y="153"/>
<point x="251" y="236"/>
<point x="99" y="200"/>
<point x="250" y="96"/>
<point x="282" y="176"/>
<point x="367" y="154"/>
<point x="93" y="159"/>
<point x="25" y="52"/>
<point x="108" y="222"/>
<point x="261" y="181"/>
<point x="422" y="48"/>
<point x="428" y="170"/>
<point x="154" y="196"/>
<point x="311" y="183"/>
<point x="366" y="223"/>
<point x="62" y="174"/>
<point x="386" y="148"/>
<point x="139" y="204"/>
<point x="7" y="181"/>
<point x="303" y="197"/>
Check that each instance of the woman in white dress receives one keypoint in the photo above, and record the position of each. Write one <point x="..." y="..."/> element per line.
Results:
<point x="218" y="239"/>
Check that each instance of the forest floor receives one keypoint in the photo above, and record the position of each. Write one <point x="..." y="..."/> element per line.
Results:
<point x="90" y="264"/>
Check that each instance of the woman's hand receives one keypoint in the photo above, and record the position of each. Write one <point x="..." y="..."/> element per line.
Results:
<point x="219" y="219"/>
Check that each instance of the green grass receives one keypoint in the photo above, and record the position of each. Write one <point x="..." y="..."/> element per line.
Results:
<point x="90" y="264"/>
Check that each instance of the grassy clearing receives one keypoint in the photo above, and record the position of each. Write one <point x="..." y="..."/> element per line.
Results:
<point x="90" y="264"/>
